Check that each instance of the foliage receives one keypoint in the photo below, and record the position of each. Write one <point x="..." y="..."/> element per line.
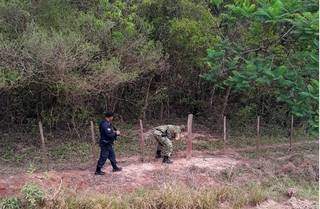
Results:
<point x="69" y="51"/>
<point x="66" y="61"/>
<point x="186" y="29"/>
<point x="33" y="194"/>
<point x="32" y="197"/>
<point x="10" y="203"/>
<point x="266" y="53"/>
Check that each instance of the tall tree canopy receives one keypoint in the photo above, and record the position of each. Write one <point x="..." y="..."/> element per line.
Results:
<point x="69" y="60"/>
<point x="269" y="49"/>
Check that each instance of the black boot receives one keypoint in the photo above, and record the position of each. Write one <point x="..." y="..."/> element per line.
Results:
<point x="158" y="154"/>
<point x="117" y="169"/>
<point x="167" y="160"/>
<point x="99" y="172"/>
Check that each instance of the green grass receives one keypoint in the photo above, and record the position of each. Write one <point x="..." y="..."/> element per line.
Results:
<point x="23" y="151"/>
<point x="10" y="203"/>
<point x="303" y="149"/>
<point x="168" y="196"/>
<point x="77" y="151"/>
<point x="19" y="155"/>
<point x="208" y="145"/>
<point x="127" y="146"/>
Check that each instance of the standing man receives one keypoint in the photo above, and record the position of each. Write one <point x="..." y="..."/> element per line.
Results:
<point x="108" y="134"/>
<point x="164" y="136"/>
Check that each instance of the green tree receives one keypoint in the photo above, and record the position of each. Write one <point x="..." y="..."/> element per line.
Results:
<point x="270" y="48"/>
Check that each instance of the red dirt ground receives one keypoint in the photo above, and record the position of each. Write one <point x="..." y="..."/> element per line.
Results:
<point x="134" y="175"/>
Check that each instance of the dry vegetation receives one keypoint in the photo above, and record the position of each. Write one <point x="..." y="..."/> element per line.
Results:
<point x="276" y="178"/>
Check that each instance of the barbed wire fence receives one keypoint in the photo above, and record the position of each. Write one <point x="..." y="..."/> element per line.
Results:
<point x="258" y="134"/>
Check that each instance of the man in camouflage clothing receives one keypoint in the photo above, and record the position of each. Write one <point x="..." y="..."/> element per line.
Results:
<point x="164" y="135"/>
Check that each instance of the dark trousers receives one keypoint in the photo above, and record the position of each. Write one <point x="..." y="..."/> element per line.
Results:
<point x="107" y="152"/>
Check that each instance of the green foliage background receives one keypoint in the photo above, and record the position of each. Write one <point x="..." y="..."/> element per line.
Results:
<point x="67" y="61"/>
<point x="274" y="54"/>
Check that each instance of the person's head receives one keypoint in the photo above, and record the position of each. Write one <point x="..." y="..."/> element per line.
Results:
<point x="182" y="128"/>
<point x="178" y="130"/>
<point x="108" y="116"/>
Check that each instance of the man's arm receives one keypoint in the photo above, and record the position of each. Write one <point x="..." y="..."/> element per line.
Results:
<point x="108" y="131"/>
<point x="116" y="130"/>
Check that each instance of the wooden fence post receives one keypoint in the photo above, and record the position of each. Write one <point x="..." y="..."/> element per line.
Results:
<point x="189" y="142"/>
<point x="224" y="131"/>
<point x="258" y="133"/>
<point x="94" y="152"/>
<point x="291" y="133"/>
<point x="141" y="141"/>
<point x="43" y="146"/>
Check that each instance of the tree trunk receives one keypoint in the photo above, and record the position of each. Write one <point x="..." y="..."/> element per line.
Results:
<point x="168" y="108"/>
<point x="116" y="100"/>
<point x="225" y="103"/>
<point x="161" y="112"/>
<point x="146" y="101"/>
<point x="226" y="98"/>
<point x="211" y="98"/>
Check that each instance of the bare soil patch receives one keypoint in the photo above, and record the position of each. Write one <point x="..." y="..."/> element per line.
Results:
<point x="133" y="176"/>
<point x="292" y="203"/>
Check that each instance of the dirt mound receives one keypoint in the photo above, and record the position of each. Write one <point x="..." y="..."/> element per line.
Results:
<point x="301" y="204"/>
<point x="270" y="204"/>
<point x="292" y="203"/>
<point x="197" y="171"/>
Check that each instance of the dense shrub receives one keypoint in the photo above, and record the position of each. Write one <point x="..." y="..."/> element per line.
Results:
<point x="66" y="61"/>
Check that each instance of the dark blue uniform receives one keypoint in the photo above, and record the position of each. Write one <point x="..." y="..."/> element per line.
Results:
<point x="107" y="137"/>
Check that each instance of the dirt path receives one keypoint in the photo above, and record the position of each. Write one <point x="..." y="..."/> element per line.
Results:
<point x="134" y="175"/>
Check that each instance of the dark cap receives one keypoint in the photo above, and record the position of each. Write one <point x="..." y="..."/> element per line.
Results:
<point x="108" y="114"/>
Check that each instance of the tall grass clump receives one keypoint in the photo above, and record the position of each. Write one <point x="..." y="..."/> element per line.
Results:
<point x="167" y="196"/>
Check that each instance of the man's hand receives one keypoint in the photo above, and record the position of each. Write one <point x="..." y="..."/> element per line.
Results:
<point x="118" y="133"/>
<point x="178" y="137"/>
<point x="181" y="136"/>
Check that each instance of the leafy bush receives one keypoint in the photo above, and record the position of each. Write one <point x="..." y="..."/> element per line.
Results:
<point x="33" y="195"/>
<point x="10" y="203"/>
<point x="68" y="60"/>
<point x="277" y="70"/>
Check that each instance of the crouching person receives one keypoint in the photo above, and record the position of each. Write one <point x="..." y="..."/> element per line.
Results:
<point x="164" y="135"/>
<point x="108" y="134"/>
